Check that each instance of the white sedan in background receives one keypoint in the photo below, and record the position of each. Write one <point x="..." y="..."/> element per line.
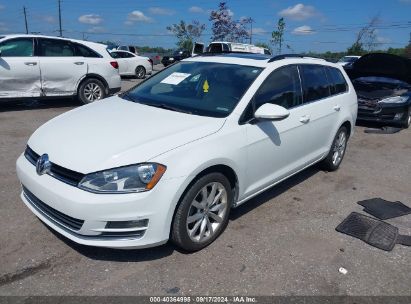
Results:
<point x="132" y="65"/>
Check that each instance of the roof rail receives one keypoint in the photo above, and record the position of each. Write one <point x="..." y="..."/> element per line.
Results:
<point x="285" y="56"/>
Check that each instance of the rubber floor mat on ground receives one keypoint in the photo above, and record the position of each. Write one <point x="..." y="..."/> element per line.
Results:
<point x="383" y="209"/>
<point x="372" y="231"/>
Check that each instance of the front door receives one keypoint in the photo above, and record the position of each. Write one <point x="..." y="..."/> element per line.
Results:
<point x="19" y="69"/>
<point x="276" y="149"/>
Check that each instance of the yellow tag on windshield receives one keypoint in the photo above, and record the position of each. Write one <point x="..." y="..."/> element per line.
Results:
<point x="206" y="86"/>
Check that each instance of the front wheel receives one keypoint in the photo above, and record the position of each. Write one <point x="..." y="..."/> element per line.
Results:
<point x="202" y="214"/>
<point x="91" y="90"/>
<point x="335" y="156"/>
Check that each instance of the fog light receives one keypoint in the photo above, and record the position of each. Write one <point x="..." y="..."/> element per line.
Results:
<point x="398" y="116"/>
<point x="127" y="224"/>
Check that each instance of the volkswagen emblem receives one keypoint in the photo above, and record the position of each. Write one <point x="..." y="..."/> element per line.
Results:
<point x="43" y="165"/>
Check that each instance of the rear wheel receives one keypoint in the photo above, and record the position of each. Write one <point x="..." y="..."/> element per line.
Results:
<point x="203" y="212"/>
<point x="91" y="90"/>
<point x="140" y="72"/>
<point x="334" y="158"/>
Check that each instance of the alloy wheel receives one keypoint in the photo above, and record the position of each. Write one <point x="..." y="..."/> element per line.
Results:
<point x="207" y="212"/>
<point x="93" y="92"/>
<point x="339" y="148"/>
<point x="140" y="72"/>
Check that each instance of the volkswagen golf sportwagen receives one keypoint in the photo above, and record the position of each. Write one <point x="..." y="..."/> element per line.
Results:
<point x="171" y="157"/>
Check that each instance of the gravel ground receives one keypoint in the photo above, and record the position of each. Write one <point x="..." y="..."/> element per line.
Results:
<point x="282" y="242"/>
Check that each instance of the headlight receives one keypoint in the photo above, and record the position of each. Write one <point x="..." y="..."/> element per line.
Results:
<point x="135" y="178"/>
<point x="395" y="99"/>
<point x="171" y="58"/>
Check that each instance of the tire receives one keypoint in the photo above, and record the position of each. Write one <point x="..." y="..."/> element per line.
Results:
<point x="140" y="72"/>
<point x="407" y="122"/>
<point x="334" y="158"/>
<point x="86" y="89"/>
<point x="196" y="222"/>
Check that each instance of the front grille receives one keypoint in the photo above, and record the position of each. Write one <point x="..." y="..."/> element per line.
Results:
<point x="65" y="175"/>
<point x="56" y="216"/>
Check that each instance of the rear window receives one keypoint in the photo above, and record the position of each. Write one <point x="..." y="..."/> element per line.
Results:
<point x="86" y="52"/>
<point x="315" y="82"/>
<point x="338" y="83"/>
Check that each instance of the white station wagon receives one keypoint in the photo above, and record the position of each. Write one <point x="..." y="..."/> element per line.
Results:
<point x="171" y="157"/>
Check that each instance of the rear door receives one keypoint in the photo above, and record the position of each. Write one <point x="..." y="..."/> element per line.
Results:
<point x="19" y="69"/>
<point x="321" y="107"/>
<point x="61" y="66"/>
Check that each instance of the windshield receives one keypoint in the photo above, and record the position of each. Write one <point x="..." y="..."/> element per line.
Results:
<point x="200" y="88"/>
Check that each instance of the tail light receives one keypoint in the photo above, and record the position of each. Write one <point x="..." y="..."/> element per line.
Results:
<point x="114" y="64"/>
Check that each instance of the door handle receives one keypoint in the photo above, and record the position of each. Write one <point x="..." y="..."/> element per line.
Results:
<point x="305" y="119"/>
<point x="79" y="63"/>
<point x="30" y="63"/>
<point x="337" y="108"/>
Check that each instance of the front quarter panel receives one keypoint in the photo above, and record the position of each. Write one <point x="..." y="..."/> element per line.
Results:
<point x="226" y="147"/>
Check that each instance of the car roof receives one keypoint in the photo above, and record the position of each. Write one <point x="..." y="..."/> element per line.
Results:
<point x="258" y="60"/>
<point x="99" y="47"/>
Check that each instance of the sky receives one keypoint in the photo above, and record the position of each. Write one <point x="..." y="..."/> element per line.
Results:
<point x="313" y="25"/>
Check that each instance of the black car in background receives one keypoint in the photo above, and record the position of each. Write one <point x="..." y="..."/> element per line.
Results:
<point x="383" y="86"/>
<point x="176" y="56"/>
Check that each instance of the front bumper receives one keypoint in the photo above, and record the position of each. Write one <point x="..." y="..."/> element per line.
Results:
<point x="387" y="115"/>
<point x="65" y="204"/>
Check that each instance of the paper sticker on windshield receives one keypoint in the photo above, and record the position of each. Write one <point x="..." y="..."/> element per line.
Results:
<point x="175" y="78"/>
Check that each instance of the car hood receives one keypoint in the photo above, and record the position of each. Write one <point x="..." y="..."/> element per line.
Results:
<point x="115" y="132"/>
<point x="381" y="65"/>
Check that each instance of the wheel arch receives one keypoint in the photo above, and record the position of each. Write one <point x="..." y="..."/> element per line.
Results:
<point x="90" y="76"/>
<point x="348" y="126"/>
<point x="224" y="169"/>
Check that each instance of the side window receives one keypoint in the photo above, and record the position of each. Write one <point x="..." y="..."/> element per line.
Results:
<point x="56" y="48"/>
<point x="315" y="82"/>
<point x="115" y="55"/>
<point x="226" y="48"/>
<point x="86" y="52"/>
<point x="282" y="87"/>
<point x="215" y="48"/>
<point x="338" y="80"/>
<point x="20" y="47"/>
<point x="128" y="55"/>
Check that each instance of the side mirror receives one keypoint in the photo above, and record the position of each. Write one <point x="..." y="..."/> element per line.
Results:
<point x="269" y="111"/>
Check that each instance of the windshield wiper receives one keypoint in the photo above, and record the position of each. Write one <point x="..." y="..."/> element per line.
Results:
<point x="167" y="107"/>
<point x="156" y="105"/>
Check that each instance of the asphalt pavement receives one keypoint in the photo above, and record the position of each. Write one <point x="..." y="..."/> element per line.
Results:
<point x="282" y="242"/>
